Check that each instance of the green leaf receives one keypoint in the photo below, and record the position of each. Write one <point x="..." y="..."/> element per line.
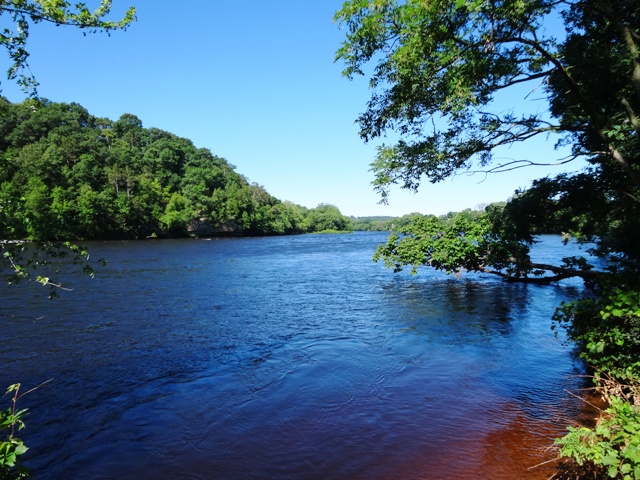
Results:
<point x="12" y="388"/>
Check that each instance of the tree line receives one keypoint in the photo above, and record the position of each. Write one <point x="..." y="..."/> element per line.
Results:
<point x="66" y="174"/>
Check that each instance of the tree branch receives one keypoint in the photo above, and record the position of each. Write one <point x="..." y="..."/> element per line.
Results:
<point x="560" y="273"/>
<point x="593" y="122"/>
<point x="516" y="164"/>
<point x="633" y="118"/>
<point x="629" y="37"/>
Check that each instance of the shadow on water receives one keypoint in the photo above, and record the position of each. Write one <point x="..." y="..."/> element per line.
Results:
<point x="457" y="310"/>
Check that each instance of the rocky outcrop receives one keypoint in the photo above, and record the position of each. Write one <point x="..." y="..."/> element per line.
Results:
<point x="203" y="227"/>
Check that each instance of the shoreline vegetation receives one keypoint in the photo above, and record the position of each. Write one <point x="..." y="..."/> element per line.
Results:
<point x="438" y="74"/>
<point x="66" y="174"/>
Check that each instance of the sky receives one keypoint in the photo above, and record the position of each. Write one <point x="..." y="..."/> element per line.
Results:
<point x="256" y="83"/>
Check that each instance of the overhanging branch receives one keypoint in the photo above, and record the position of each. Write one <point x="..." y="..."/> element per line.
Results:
<point x="560" y="274"/>
<point x="516" y="164"/>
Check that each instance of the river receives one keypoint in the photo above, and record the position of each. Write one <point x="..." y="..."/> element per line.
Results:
<point x="287" y="358"/>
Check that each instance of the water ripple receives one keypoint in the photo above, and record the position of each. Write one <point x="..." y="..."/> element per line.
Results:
<point x="287" y="358"/>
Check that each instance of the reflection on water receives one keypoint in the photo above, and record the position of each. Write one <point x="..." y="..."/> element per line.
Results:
<point x="293" y="357"/>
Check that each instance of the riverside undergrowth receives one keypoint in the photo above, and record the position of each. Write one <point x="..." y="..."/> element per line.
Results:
<point x="607" y="332"/>
<point x="11" y="447"/>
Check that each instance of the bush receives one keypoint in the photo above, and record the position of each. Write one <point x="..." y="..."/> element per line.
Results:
<point x="614" y="444"/>
<point x="12" y="447"/>
<point x="607" y="332"/>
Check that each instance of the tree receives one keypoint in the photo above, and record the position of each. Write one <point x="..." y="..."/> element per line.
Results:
<point x="65" y="174"/>
<point x="327" y="217"/>
<point x="25" y="13"/>
<point x="20" y="259"/>
<point x="439" y="68"/>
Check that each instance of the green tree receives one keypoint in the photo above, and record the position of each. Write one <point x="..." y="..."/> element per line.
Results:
<point x="66" y="174"/>
<point x="439" y="71"/>
<point x="327" y="217"/>
<point x="20" y="260"/>
<point x="439" y="67"/>
<point x="18" y="17"/>
<point x="25" y="13"/>
<point x="177" y="215"/>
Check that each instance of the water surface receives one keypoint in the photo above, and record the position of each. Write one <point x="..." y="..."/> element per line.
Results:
<point x="287" y="358"/>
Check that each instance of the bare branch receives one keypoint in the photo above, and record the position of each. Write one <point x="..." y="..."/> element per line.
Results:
<point x="633" y="197"/>
<point x="593" y="122"/>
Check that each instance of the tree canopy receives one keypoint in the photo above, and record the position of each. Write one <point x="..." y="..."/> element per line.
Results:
<point x="437" y="70"/>
<point x="19" y="15"/>
<point x="67" y="175"/>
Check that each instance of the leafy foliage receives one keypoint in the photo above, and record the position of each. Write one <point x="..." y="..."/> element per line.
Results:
<point x="380" y="224"/>
<point x="42" y="261"/>
<point x="607" y="332"/>
<point x="607" y="329"/>
<point x="24" y="13"/>
<point x="443" y="60"/>
<point x="444" y="244"/>
<point x="439" y="67"/>
<point x="473" y="241"/>
<point x="327" y="217"/>
<point x="437" y="70"/>
<point x="613" y="445"/>
<point x="65" y="174"/>
<point x="11" y="447"/>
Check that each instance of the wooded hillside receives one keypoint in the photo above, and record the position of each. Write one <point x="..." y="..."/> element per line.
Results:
<point x="65" y="174"/>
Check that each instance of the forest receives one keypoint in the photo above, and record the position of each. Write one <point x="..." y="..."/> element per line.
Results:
<point x="67" y="175"/>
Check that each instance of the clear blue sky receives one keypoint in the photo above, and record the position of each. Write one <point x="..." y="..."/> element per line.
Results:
<point x="255" y="83"/>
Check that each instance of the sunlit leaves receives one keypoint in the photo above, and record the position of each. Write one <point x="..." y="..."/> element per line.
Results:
<point x="435" y="68"/>
<point x="456" y="244"/>
<point x="24" y="13"/>
<point x="11" y="447"/>
<point x="613" y="445"/>
<point x="607" y="329"/>
<point x="42" y="262"/>
<point x="66" y="174"/>
<point x="442" y="62"/>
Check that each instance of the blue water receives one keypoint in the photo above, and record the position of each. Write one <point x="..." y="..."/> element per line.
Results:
<point x="286" y="358"/>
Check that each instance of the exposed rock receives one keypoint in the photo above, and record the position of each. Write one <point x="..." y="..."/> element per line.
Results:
<point x="203" y="227"/>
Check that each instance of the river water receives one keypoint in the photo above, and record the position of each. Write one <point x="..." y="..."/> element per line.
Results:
<point x="287" y="358"/>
